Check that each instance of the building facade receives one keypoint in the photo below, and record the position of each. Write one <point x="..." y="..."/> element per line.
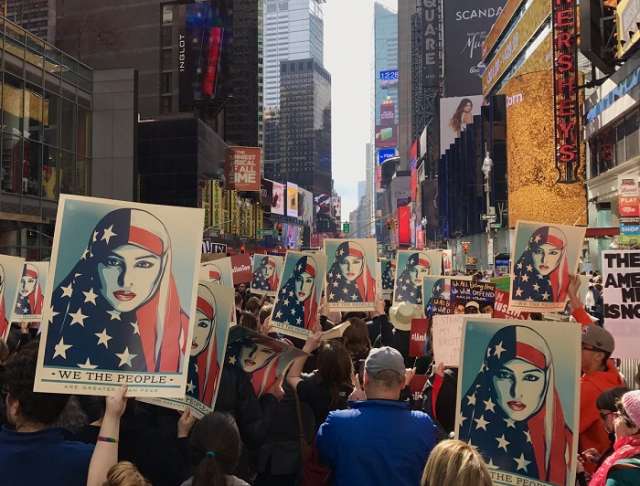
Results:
<point x="36" y="16"/>
<point x="293" y="30"/>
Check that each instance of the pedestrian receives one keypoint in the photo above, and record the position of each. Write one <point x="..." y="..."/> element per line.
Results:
<point x="379" y="440"/>
<point x="453" y="462"/>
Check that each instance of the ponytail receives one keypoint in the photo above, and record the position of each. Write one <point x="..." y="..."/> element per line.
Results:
<point x="209" y="472"/>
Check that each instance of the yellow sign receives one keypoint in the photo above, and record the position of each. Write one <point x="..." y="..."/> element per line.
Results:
<point x="627" y="25"/>
<point x="217" y="206"/>
<point x="537" y="13"/>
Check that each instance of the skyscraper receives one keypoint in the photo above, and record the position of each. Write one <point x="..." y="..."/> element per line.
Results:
<point x="406" y="10"/>
<point x="36" y="16"/>
<point x="293" y="30"/>
<point x="305" y="126"/>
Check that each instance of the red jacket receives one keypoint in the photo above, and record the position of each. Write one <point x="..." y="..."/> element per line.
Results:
<point x="592" y="431"/>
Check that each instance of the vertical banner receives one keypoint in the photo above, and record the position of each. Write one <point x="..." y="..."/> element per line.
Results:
<point x="242" y="168"/>
<point x="621" y="272"/>
<point x="566" y="109"/>
<point x="404" y="226"/>
<point x="120" y="272"/>
<point x="518" y="381"/>
<point x="292" y="200"/>
<point x="351" y="275"/>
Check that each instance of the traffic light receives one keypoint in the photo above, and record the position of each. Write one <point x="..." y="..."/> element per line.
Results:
<point x="279" y="230"/>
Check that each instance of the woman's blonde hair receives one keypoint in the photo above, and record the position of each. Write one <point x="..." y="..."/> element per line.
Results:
<point x="455" y="462"/>
<point x="125" y="474"/>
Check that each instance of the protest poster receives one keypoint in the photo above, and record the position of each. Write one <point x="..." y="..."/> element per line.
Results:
<point x="469" y="297"/>
<point x="544" y="255"/>
<point x="217" y="271"/>
<point x="266" y="270"/>
<point x="411" y="267"/>
<point x="10" y="280"/>
<point x="207" y="351"/>
<point x="437" y="294"/>
<point x="265" y="359"/>
<point x="31" y="289"/>
<point x="416" y="386"/>
<point x="621" y="297"/>
<point x="351" y="274"/>
<point x="388" y="272"/>
<point x="446" y="333"/>
<point x="518" y="402"/>
<point x="501" y="308"/>
<point x="418" y="337"/>
<point x="241" y="269"/>
<point x="121" y="302"/>
<point x="447" y="262"/>
<point x="295" y="312"/>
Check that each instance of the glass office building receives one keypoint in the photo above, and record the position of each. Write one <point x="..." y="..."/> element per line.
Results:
<point x="45" y="148"/>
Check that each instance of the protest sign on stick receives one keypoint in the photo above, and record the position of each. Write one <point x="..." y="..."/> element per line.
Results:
<point x="31" y="288"/>
<point x="10" y="281"/>
<point x="266" y="271"/>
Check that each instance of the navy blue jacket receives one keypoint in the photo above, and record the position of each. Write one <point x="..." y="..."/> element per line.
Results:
<point x="376" y="442"/>
<point x="45" y="457"/>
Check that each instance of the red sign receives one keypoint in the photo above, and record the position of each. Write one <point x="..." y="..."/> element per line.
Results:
<point x="404" y="226"/>
<point x="565" y="93"/>
<point x="213" y="62"/>
<point x="416" y="385"/>
<point x="418" y="337"/>
<point x="629" y="207"/>
<point x="242" y="168"/>
<point x="241" y="266"/>
<point x="501" y="308"/>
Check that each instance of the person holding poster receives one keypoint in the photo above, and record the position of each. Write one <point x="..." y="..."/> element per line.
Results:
<point x="295" y="312"/>
<point x="266" y="274"/>
<point x="30" y="296"/>
<point x="350" y="281"/>
<point x="10" y="270"/>
<point x="545" y="256"/>
<point x="121" y="305"/>
<point x="415" y="266"/>
<point x="512" y="410"/>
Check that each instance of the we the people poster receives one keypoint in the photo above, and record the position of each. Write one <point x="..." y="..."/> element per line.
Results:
<point x="207" y="351"/>
<point x="265" y="359"/>
<point x="121" y="305"/>
<point x="621" y="297"/>
<point x="411" y="267"/>
<point x="388" y="272"/>
<point x="519" y="400"/>
<point x="351" y="274"/>
<point x="10" y="280"/>
<point x="544" y="257"/>
<point x="295" y="312"/>
<point x="31" y="287"/>
<point x="265" y="274"/>
<point x="218" y="271"/>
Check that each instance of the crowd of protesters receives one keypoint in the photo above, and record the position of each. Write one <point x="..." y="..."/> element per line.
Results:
<point x="342" y="415"/>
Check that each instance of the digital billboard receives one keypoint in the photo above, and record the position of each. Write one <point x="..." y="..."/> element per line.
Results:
<point x="384" y="154"/>
<point x="292" y="200"/>
<point x="455" y="114"/>
<point x="277" y="201"/>
<point x="388" y="78"/>
<point x="386" y="137"/>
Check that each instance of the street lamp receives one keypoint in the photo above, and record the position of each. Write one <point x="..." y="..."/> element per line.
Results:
<point x="490" y="216"/>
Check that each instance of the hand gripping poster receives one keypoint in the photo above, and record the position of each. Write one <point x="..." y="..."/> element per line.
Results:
<point x="519" y="399"/>
<point x="265" y="359"/>
<point x="544" y="256"/>
<point x="265" y="274"/>
<point x="207" y="351"/>
<point x="351" y="274"/>
<point x="295" y="312"/>
<point x="31" y="287"/>
<point x="218" y="271"/>
<point x="121" y="304"/>
<point x="411" y="267"/>
<point x="388" y="272"/>
<point x="10" y="277"/>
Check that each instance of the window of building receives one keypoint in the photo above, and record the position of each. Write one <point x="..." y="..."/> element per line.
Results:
<point x="167" y="14"/>
<point x="31" y="168"/>
<point x="167" y="36"/>
<point x="165" y="104"/>
<point x="11" y="163"/>
<point x="166" y="82"/>
<point x="50" y="173"/>
<point x="166" y="60"/>
<point x="615" y="145"/>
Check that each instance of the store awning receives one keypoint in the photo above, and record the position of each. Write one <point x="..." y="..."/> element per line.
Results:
<point x="602" y="232"/>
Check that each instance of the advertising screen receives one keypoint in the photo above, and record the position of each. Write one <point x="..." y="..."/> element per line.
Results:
<point x="455" y="115"/>
<point x="386" y="137"/>
<point x="388" y="79"/>
<point x="384" y="154"/>
<point x="292" y="200"/>
<point x="277" y="198"/>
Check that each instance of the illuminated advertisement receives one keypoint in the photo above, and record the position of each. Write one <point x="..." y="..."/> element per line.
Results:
<point x="201" y="46"/>
<point x="277" y="198"/>
<point x="404" y="226"/>
<point x="323" y="204"/>
<point x="386" y="137"/>
<point x="305" y="206"/>
<point x="242" y="166"/>
<point x="384" y="154"/>
<point x="455" y="115"/>
<point x="565" y="95"/>
<point x="388" y="79"/>
<point x="292" y="200"/>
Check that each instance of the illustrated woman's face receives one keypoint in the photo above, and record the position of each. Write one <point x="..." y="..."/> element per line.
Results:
<point x="128" y="277"/>
<point x="546" y="258"/>
<point x="418" y="273"/>
<point x="269" y="270"/>
<point x="519" y="389"/>
<point x="351" y="267"/>
<point x="304" y="286"/>
<point x="201" y="333"/>
<point x="27" y="285"/>
<point x="255" y="357"/>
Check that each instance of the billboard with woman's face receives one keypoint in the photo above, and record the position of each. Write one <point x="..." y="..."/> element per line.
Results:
<point x="455" y="114"/>
<point x="121" y="304"/>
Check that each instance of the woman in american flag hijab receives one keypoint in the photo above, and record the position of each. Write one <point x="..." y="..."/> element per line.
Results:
<point x="542" y="271"/>
<point x="204" y="368"/>
<point x="512" y="412"/>
<point x="211" y="273"/>
<point x="265" y="277"/>
<point x="297" y="304"/>
<point x="30" y="296"/>
<point x="119" y="308"/>
<point x="409" y="288"/>
<point x="388" y="275"/>
<point x="349" y="279"/>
